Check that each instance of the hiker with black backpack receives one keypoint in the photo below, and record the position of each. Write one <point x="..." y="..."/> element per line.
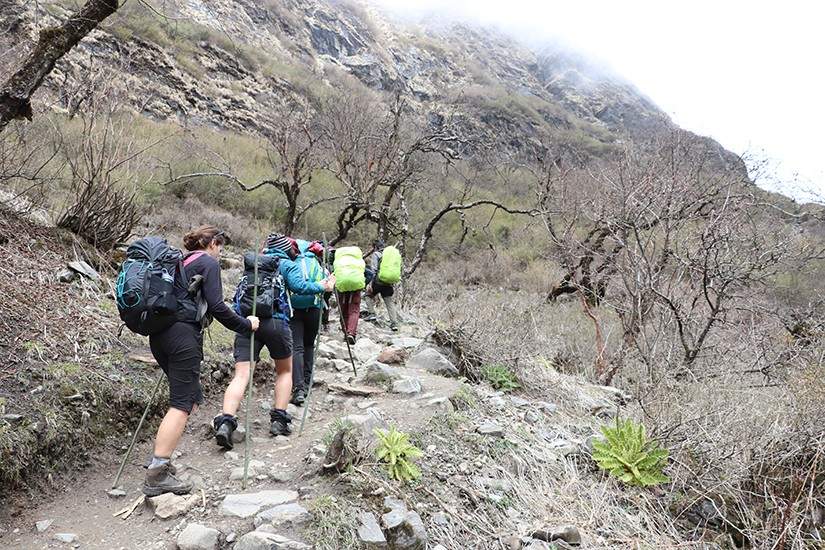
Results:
<point x="274" y="333"/>
<point x="178" y="350"/>
<point x="385" y="263"/>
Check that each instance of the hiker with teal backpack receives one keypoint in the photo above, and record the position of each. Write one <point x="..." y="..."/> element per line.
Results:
<point x="275" y="333"/>
<point x="178" y="350"/>
<point x="306" y="316"/>
<point x="385" y="263"/>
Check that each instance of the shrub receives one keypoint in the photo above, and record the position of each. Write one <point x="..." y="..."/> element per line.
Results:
<point x="627" y="454"/>
<point x="500" y="377"/>
<point x="395" y="451"/>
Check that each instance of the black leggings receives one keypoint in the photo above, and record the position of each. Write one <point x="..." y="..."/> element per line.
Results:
<point x="179" y="352"/>
<point x="304" y="332"/>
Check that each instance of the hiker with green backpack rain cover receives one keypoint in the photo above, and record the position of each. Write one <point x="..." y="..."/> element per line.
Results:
<point x="386" y="266"/>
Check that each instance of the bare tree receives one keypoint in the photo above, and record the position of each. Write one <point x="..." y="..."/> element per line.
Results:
<point x="291" y="147"/>
<point x="665" y="236"/>
<point x="378" y="147"/>
<point x="103" y="157"/>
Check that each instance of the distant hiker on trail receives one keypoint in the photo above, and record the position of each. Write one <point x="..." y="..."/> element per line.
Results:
<point x="349" y="269"/>
<point x="178" y="350"/>
<point x="317" y="248"/>
<point x="275" y="333"/>
<point x="385" y="263"/>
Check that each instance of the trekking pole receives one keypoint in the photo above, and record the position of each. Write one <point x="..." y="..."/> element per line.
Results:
<point x="315" y="350"/>
<point x="251" y="370"/>
<point x="134" y="437"/>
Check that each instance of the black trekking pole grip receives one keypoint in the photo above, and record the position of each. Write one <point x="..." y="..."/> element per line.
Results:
<point x="251" y="370"/>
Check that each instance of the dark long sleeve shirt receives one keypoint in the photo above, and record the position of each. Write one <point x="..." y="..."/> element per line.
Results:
<point x="212" y="292"/>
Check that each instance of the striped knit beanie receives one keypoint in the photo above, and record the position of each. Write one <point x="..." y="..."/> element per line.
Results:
<point x="279" y="241"/>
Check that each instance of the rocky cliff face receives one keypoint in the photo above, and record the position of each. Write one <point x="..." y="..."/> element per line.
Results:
<point x="226" y="63"/>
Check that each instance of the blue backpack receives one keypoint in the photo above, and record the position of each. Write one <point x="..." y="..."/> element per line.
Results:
<point x="311" y="271"/>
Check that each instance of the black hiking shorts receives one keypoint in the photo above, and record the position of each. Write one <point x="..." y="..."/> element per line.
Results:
<point x="272" y="333"/>
<point x="179" y="352"/>
<point x="381" y="288"/>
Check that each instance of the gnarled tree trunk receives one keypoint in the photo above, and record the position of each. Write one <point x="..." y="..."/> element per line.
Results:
<point x="54" y="43"/>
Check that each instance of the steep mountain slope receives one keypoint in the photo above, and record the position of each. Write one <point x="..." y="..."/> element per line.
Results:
<point x="226" y="64"/>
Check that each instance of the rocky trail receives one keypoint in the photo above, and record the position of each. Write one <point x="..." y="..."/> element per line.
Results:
<point x="284" y="472"/>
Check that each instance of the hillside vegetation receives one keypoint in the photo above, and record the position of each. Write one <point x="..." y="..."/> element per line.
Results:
<point x="552" y="220"/>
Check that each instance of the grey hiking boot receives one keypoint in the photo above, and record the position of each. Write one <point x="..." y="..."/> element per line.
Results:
<point x="394" y="327"/>
<point x="225" y="425"/>
<point x="160" y="480"/>
<point x="371" y="317"/>
<point x="279" y="422"/>
<point x="350" y="339"/>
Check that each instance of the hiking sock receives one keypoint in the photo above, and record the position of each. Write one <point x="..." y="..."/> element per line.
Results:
<point x="158" y="461"/>
<point x="280" y="414"/>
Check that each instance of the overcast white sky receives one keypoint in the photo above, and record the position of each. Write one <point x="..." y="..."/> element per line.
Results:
<point x="747" y="74"/>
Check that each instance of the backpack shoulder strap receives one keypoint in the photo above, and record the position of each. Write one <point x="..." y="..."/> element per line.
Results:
<point x="192" y="256"/>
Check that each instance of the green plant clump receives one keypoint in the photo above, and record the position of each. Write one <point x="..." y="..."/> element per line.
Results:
<point x="627" y="454"/>
<point x="500" y="377"/>
<point x="395" y="451"/>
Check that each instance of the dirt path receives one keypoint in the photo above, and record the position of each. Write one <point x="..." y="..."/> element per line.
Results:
<point x="84" y="509"/>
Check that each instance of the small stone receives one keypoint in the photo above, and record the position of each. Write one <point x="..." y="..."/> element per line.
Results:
<point x="198" y="537"/>
<point x="512" y="543"/>
<point x="13" y="419"/>
<point x="116" y="493"/>
<point x="43" y="525"/>
<point x="491" y="429"/>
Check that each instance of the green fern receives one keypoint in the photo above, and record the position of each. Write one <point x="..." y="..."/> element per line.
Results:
<point x="627" y="454"/>
<point x="395" y="451"/>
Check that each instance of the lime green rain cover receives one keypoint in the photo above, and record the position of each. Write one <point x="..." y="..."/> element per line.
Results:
<point x="349" y="269"/>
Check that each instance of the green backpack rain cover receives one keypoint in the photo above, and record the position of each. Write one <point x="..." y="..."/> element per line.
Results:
<point x="389" y="270"/>
<point x="349" y="269"/>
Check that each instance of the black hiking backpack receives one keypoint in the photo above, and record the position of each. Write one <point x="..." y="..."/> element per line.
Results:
<point x="145" y="286"/>
<point x="271" y="295"/>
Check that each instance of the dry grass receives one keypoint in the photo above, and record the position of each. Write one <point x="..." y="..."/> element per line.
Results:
<point x="749" y="441"/>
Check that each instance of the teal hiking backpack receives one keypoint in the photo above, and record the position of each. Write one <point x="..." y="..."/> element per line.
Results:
<point x="349" y="269"/>
<point x="311" y="271"/>
<point x="389" y="267"/>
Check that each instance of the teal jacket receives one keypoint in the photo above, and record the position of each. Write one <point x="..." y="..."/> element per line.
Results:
<point x="305" y="293"/>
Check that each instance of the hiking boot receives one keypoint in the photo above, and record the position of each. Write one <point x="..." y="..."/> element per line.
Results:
<point x="298" y="397"/>
<point x="394" y="327"/>
<point x="160" y="480"/>
<point x="225" y="425"/>
<point x="279" y="422"/>
<point x="326" y="328"/>
<point x="350" y="339"/>
<point x="371" y="318"/>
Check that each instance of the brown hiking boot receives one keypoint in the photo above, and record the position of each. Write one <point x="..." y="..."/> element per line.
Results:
<point x="160" y="480"/>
